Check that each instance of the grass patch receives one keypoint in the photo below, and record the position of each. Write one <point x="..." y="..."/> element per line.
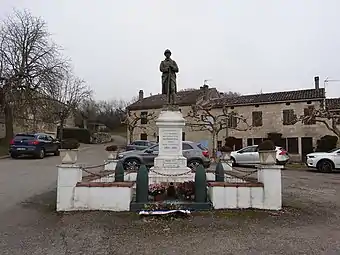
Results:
<point x="296" y="166"/>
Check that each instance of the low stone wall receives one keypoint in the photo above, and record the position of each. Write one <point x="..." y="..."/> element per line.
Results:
<point x="263" y="192"/>
<point x="76" y="194"/>
<point x="236" y="195"/>
<point x="101" y="192"/>
<point x="106" y="196"/>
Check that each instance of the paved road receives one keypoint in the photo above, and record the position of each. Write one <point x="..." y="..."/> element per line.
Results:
<point x="23" y="178"/>
<point x="308" y="224"/>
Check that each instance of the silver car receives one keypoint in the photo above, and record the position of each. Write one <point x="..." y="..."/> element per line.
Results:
<point x="250" y="156"/>
<point x="139" y="145"/>
<point x="195" y="153"/>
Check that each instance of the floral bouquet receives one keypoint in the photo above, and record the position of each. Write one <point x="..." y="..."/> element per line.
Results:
<point x="156" y="189"/>
<point x="186" y="189"/>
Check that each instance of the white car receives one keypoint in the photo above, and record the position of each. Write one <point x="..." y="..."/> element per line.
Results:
<point x="324" y="161"/>
<point x="250" y="156"/>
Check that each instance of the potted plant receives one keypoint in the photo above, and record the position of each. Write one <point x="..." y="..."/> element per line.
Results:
<point x="157" y="191"/>
<point x="226" y="150"/>
<point x="267" y="153"/>
<point x="112" y="151"/>
<point x="69" y="151"/>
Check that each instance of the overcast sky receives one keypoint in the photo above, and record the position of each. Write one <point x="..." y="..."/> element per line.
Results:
<point x="239" y="45"/>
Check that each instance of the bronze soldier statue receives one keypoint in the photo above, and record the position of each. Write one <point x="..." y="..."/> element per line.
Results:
<point x="169" y="68"/>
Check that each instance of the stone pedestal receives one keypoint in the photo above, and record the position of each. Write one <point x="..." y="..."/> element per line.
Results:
<point x="170" y="165"/>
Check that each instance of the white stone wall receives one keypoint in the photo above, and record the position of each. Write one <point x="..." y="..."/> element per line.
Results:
<point x="102" y="198"/>
<point x="266" y="194"/>
<point x="71" y="197"/>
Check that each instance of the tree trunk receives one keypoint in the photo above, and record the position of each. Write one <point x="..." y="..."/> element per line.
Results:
<point x="130" y="135"/>
<point x="61" y="131"/>
<point x="214" y="143"/>
<point x="8" y="123"/>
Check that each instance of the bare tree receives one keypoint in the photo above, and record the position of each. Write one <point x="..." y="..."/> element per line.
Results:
<point x="133" y="121"/>
<point x="331" y="119"/>
<point x="88" y="110"/>
<point x="112" y="113"/>
<point x="231" y="94"/>
<point x="63" y="99"/>
<point x="27" y="58"/>
<point x="203" y="118"/>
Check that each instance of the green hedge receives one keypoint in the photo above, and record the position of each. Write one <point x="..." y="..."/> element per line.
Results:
<point x="82" y="135"/>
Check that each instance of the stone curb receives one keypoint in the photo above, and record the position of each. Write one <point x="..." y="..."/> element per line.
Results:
<point x="3" y="157"/>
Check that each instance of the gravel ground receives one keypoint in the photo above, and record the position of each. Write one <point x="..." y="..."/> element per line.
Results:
<point x="308" y="224"/>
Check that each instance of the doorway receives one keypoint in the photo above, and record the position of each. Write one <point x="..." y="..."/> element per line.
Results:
<point x="307" y="147"/>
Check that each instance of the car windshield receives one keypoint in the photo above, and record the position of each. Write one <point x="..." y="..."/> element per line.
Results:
<point x="24" y="137"/>
<point x="201" y="147"/>
<point x="334" y="150"/>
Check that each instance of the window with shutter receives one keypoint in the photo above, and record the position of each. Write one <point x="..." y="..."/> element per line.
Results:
<point x="308" y="118"/>
<point x="257" y="119"/>
<point x="288" y="117"/>
<point x="144" y="118"/>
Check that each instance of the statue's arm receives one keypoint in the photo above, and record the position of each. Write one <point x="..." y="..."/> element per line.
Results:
<point x="163" y="68"/>
<point x="175" y="67"/>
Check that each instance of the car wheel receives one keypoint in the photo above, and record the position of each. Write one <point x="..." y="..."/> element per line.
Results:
<point x="131" y="164"/>
<point x="233" y="161"/>
<point x="57" y="153"/>
<point x="41" y="154"/>
<point x="325" y="166"/>
<point x="193" y="164"/>
<point x="14" y="155"/>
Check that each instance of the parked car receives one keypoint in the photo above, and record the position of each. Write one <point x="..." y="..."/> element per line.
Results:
<point x="250" y="156"/>
<point x="195" y="153"/>
<point x="324" y="161"/>
<point x="33" y="144"/>
<point x="139" y="145"/>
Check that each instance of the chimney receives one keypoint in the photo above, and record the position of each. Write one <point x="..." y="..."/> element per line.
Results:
<point x="141" y="95"/>
<point x="317" y="82"/>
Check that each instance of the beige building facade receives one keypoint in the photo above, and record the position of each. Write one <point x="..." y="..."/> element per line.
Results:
<point x="264" y="113"/>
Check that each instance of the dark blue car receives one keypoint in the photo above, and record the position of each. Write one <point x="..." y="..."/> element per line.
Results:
<point x="33" y="144"/>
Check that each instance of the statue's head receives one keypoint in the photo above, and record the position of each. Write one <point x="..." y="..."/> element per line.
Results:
<point x="167" y="53"/>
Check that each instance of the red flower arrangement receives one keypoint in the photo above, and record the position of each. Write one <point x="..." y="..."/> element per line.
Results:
<point x="156" y="189"/>
<point x="186" y="189"/>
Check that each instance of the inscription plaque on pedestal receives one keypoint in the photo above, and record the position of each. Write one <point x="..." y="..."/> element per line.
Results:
<point x="171" y="142"/>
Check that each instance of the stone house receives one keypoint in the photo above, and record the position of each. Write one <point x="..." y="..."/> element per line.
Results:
<point x="265" y="113"/>
<point x="29" y="123"/>
<point x="275" y="113"/>
<point x="146" y="129"/>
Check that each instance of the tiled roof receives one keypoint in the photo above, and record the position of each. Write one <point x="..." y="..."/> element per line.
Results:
<point x="284" y="96"/>
<point x="333" y="103"/>
<point x="183" y="98"/>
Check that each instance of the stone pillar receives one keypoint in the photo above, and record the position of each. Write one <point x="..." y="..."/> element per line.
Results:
<point x="68" y="176"/>
<point x="170" y="165"/>
<point x="270" y="176"/>
<point x="300" y="148"/>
